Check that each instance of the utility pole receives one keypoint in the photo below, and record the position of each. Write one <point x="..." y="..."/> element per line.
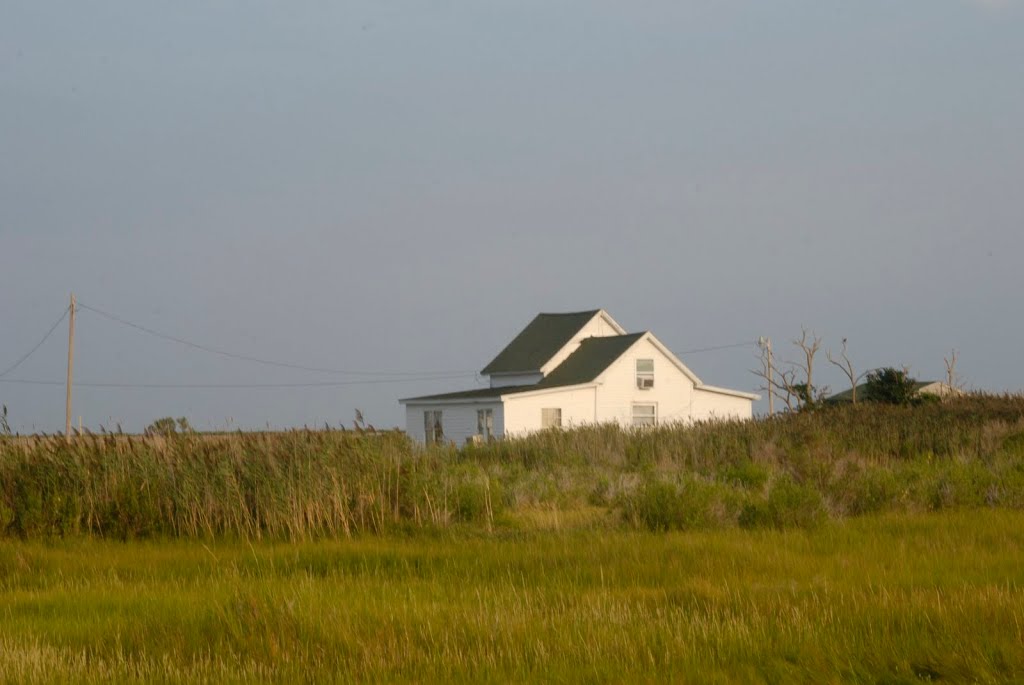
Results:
<point x="766" y="345"/>
<point x="71" y="366"/>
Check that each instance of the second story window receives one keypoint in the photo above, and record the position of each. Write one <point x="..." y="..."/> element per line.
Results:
<point x="644" y="374"/>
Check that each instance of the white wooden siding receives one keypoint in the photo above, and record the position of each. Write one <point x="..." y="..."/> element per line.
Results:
<point x="673" y="391"/>
<point x="710" y="406"/>
<point x="678" y="395"/>
<point x="523" y="412"/>
<point x="458" y="421"/>
<point x="600" y="326"/>
<point x="505" y="380"/>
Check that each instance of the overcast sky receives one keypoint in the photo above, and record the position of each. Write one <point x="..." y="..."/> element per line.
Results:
<point x="402" y="186"/>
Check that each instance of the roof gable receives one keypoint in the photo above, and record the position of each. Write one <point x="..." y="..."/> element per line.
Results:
<point x="584" y="366"/>
<point x="590" y="360"/>
<point x="538" y="342"/>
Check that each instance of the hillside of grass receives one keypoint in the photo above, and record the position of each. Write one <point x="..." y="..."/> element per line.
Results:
<point x="892" y="598"/>
<point x="796" y="471"/>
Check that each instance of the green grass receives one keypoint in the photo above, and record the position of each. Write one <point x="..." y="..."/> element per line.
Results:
<point x="794" y="471"/>
<point x="889" y="598"/>
<point x="858" y="544"/>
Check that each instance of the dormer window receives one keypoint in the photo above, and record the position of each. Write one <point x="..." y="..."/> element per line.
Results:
<point x="644" y="374"/>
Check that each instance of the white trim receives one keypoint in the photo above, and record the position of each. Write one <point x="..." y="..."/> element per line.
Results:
<point x="698" y="384"/>
<point x="546" y="367"/>
<point x="611" y="322"/>
<point x="547" y="391"/>
<point x="672" y="358"/>
<point x="632" y="412"/>
<point x="726" y="391"/>
<point x="418" y="402"/>
<point x="495" y="399"/>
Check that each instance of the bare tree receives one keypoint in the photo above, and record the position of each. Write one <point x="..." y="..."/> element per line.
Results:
<point x="952" y="378"/>
<point x="846" y="366"/>
<point x="783" y="383"/>
<point x="806" y="390"/>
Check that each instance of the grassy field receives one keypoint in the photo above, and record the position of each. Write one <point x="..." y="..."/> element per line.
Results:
<point x="888" y="598"/>
<point x="796" y="471"/>
<point x="863" y="543"/>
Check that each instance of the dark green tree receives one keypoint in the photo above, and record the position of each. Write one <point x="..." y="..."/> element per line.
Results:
<point x="890" y="385"/>
<point x="168" y="426"/>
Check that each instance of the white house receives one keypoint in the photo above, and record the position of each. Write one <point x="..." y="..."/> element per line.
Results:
<point x="573" y="369"/>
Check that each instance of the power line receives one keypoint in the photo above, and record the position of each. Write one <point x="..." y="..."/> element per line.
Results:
<point x="258" y="360"/>
<point x="235" y="386"/>
<point x="39" y="344"/>
<point x="718" y="347"/>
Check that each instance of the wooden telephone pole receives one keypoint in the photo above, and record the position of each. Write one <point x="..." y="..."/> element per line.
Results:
<point x="71" y="365"/>
<point x="766" y="345"/>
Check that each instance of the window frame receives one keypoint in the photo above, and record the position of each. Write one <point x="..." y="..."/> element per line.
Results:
<point x="485" y="423"/>
<point x="652" y="417"/>
<point x="558" y="414"/>
<point x="644" y="379"/>
<point x="433" y="426"/>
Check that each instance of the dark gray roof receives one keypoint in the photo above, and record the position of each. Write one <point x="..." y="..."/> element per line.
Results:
<point x="862" y="392"/>
<point x="593" y="356"/>
<point x="589" y="361"/>
<point x="475" y="394"/>
<point x="538" y="342"/>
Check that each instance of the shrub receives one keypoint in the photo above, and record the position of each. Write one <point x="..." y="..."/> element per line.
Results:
<point x="866" y="490"/>
<point x="476" y="497"/>
<point x="788" y="505"/>
<point x="966" y="452"/>
<point x="663" y="506"/>
<point x="746" y="474"/>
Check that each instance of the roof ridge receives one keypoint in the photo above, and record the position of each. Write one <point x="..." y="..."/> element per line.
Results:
<point x="539" y="341"/>
<point x="592" y="358"/>
<point x="618" y="336"/>
<point x="576" y="313"/>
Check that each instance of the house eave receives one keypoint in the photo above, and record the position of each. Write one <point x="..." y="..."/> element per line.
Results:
<point x="548" y="391"/>
<point x="726" y="391"/>
<point x="417" y="402"/>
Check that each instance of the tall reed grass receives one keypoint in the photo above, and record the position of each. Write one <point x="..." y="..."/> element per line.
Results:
<point x="796" y="470"/>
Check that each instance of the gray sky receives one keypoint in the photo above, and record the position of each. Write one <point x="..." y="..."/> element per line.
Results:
<point x="403" y="185"/>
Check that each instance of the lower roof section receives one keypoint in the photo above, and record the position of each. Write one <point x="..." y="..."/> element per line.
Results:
<point x="475" y="394"/>
<point x="589" y="361"/>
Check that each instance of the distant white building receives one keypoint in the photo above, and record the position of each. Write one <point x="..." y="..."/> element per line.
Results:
<point x="573" y="369"/>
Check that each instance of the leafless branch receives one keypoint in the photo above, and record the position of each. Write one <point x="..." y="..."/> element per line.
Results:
<point x="846" y="366"/>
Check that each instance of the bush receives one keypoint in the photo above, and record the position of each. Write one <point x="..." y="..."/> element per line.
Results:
<point x="788" y="505"/>
<point x="477" y="498"/>
<point x="864" y="458"/>
<point x="866" y="490"/>
<point x="746" y="474"/>
<point x="662" y="506"/>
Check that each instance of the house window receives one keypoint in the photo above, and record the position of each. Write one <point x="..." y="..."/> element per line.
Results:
<point x="485" y="423"/>
<point x="551" y="418"/>
<point x="433" y="431"/>
<point x="645" y="414"/>
<point x="645" y="374"/>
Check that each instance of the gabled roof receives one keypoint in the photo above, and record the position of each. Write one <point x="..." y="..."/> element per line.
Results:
<point x="538" y="342"/>
<point x="589" y="361"/>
